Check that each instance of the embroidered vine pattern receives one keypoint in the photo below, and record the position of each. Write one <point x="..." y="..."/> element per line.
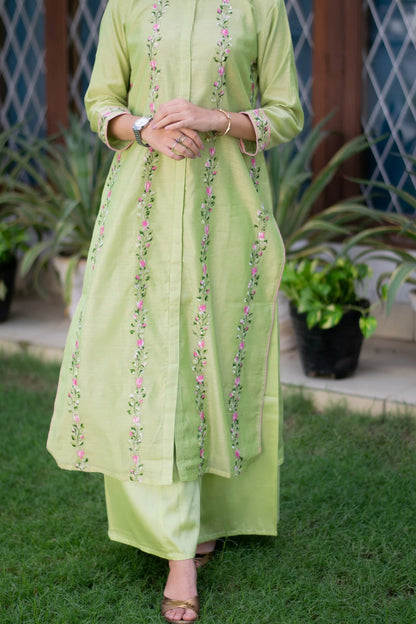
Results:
<point x="105" y="209"/>
<point x="77" y="432"/>
<point x="105" y="117"/>
<point x="257" y="251"/>
<point x="143" y="243"/>
<point x="263" y="128"/>
<point x="201" y="319"/>
<point x="254" y="169"/>
<point x="158" y="9"/>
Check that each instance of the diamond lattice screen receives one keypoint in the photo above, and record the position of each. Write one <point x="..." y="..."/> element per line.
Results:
<point x="390" y="84"/>
<point x="300" y="14"/>
<point x="22" y="64"/>
<point x="84" y="22"/>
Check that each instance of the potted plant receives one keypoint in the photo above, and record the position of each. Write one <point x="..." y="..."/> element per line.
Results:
<point x="56" y="192"/>
<point x="329" y="315"/>
<point x="13" y="238"/>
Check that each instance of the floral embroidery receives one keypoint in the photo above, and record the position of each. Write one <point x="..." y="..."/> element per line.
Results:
<point x="257" y="251"/>
<point x="224" y="44"/>
<point x="254" y="169"/>
<point x="262" y="128"/>
<point x="77" y="434"/>
<point x="143" y="243"/>
<point x="105" y="209"/>
<point x="105" y="117"/>
<point x="153" y="40"/>
<point x="201" y="319"/>
<point x="199" y="358"/>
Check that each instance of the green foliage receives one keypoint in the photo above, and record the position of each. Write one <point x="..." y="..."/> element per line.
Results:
<point x="296" y="190"/>
<point x="13" y="237"/>
<point x="325" y="291"/>
<point x="405" y="271"/>
<point x="55" y="189"/>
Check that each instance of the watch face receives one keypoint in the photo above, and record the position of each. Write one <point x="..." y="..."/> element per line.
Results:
<point x="141" y="122"/>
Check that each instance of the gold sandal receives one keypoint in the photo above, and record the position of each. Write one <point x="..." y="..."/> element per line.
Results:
<point x="202" y="559"/>
<point x="169" y="603"/>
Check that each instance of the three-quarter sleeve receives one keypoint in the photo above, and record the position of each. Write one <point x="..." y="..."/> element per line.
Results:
<point x="106" y="96"/>
<point x="279" y="117"/>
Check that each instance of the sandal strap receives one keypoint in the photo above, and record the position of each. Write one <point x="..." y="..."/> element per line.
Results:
<point x="202" y="559"/>
<point x="170" y="603"/>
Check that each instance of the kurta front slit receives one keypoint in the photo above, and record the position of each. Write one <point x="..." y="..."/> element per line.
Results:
<point x="166" y="372"/>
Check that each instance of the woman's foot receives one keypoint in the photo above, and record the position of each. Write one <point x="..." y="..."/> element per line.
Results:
<point x="181" y="585"/>
<point x="206" y="547"/>
<point x="204" y="554"/>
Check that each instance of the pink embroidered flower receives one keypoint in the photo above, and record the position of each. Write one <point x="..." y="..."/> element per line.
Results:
<point x="202" y="308"/>
<point x="76" y="418"/>
<point x="140" y="343"/>
<point x="201" y="415"/>
<point x="235" y="416"/>
<point x="148" y="186"/>
<point x="135" y="459"/>
<point x="140" y="304"/>
<point x="241" y="345"/>
<point x="109" y="194"/>
<point x="237" y="381"/>
<point x="200" y="379"/>
<point x="221" y="70"/>
<point x="246" y="310"/>
<point x="204" y="269"/>
<point x="145" y="224"/>
<point x="206" y="230"/>
<point x="80" y="454"/>
<point x="237" y="454"/>
<point x="139" y="382"/>
<point x="212" y="151"/>
<point x="136" y="420"/>
<point x="102" y="230"/>
<point x="261" y="235"/>
<point x="224" y="32"/>
<point x="142" y="263"/>
<point x="209" y="191"/>
<point x="201" y="344"/>
<point x="153" y="64"/>
<point x="201" y="452"/>
<point x="253" y="271"/>
<point x="74" y="382"/>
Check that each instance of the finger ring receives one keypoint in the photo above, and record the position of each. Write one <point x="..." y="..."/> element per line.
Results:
<point x="182" y="138"/>
<point x="172" y="149"/>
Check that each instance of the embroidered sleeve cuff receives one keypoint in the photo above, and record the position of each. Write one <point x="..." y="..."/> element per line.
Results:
<point x="105" y="117"/>
<point x="262" y="129"/>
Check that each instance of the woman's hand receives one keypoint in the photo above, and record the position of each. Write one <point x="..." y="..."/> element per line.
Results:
<point x="179" y="114"/>
<point x="177" y="144"/>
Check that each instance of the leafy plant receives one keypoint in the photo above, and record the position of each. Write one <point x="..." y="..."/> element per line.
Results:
<point x="296" y="189"/>
<point x="12" y="239"/>
<point x="55" y="190"/>
<point x="325" y="291"/>
<point x="405" y="270"/>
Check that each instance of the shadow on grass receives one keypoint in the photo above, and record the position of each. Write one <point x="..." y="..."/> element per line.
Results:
<point x="344" y="555"/>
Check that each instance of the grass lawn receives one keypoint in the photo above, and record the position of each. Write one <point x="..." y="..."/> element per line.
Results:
<point x="345" y="553"/>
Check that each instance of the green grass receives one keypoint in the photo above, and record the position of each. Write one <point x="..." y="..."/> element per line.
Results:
<point x="345" y="553"/>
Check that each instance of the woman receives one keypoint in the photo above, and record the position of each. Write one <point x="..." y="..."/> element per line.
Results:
<point x="169" y="383"/>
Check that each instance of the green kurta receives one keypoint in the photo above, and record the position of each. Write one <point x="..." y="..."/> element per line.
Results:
<point x="167" y="355"/>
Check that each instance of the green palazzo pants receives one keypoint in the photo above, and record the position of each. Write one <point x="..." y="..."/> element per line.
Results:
<point x="170" y="520"/>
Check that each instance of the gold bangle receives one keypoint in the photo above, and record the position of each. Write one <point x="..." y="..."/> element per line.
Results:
<point x="228" y="115"/>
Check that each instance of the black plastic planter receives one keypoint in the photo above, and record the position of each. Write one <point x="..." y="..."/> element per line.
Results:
<point x="331" y="352"/>
<point x="7" y="276"/>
